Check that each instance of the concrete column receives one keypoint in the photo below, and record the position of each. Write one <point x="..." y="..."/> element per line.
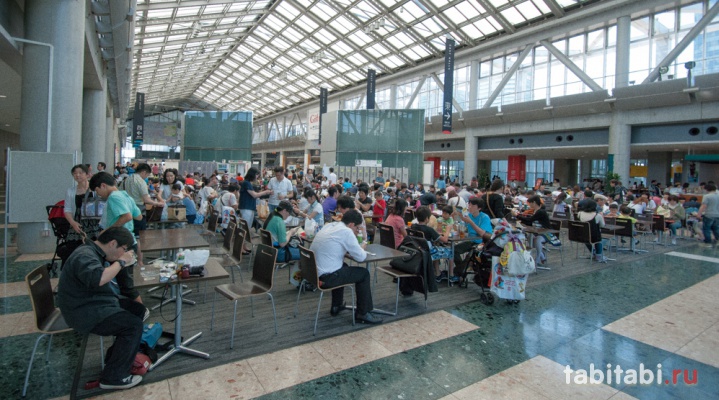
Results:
<point x="470" y="156"/>
<point x="659" y="167"/>
<point x="573" y="172"/>
<point x="622" y="61"/>
<point x="110" y="140"/>
<point x="585" y="169"/>
<point x="263" y="160"/>
<point x="473" y="84"/>
<point x="280" y="159"/>
<point x="94" y="133"/>
<point x="305" y="160"/>
<point x="561" y="171"/>
<point x="620" y="136"/>
<point x="392" y="97"/>
<point x="62" y="24"/>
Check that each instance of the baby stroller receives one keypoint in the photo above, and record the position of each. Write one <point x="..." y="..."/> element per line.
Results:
<point x="479" y="264"/>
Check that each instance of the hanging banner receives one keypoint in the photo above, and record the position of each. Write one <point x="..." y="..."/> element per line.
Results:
<point x="323" y="110"/>
<point x="313" y="124"/>
<point x="517" y="168"/>
<point x="448" y="86"/>
<point x="138" y="121"/>
<point x="371" y="79"/>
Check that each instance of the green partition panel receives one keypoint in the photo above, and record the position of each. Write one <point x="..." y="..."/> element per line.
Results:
<point x="217" y="135"/>
<point x="394" y="136"/>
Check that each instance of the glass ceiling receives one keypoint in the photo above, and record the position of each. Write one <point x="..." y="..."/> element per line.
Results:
<point x="269" y="55"/>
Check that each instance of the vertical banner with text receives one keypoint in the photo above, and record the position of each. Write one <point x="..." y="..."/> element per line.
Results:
<point x="323" y="109"/>
<point x="371" y="78"/>
<point x="138" y="121"/>
<point x="448" y="86"/>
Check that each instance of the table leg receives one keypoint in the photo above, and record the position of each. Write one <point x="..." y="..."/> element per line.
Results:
<point x="180" y="346"/>
<point x="172" y="298"/>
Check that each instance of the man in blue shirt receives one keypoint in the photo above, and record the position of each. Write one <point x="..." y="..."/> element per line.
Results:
<point x="440" y="184"/>
<point x="330" y="204"/>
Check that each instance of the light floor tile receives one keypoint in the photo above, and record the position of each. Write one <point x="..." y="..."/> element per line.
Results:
<point x="674" y="322"/>
<point x="18" y="288"/>
<point x="235" y="380"/>
<point x="622" y="396"/>
<point x="547" y="378"/>
<point x="400" y="336"/>
<point x="350" y="350"/>
<point x="693" y="256"/>
<point x="498" y="387"/>
<point x="155" y="391"/>
<point x="9" y="322"/>
<point x="289" y="367"/>
<point x="9" y="226"/>
<point x="26" y="324"/>
<point x="66" y="397"/>
<point x="34" y="257"/>
<point x="442" y="325"/>
<point x="704" y="348"/>
<point x="449" y="397"/>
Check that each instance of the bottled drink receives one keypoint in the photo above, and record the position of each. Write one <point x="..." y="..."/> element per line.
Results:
<point x="180" y="261"/>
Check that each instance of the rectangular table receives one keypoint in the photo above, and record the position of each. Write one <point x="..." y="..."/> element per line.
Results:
<point x="375" y="254"/>
<point x="213" y="271"/>
<point x="171" y="240"/>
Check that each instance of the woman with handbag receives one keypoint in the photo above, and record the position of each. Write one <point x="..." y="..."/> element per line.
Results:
<point x="493" y="200"/>
<point x="80" y="225"/>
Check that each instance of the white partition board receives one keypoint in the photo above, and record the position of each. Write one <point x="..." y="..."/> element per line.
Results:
<point x="36" y="180"/>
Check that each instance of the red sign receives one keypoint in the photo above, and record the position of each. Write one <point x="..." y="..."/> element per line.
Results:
<point x="517" y="168"/>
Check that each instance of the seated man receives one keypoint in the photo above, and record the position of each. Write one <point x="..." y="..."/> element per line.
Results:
<point x="91" y="283"/>
<point x="331" y="244"/>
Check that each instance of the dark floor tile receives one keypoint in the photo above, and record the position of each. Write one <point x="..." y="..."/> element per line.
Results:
<point x="707" y="376"/>
<point x="15" y="304"/>
<point x="47" y="380"/>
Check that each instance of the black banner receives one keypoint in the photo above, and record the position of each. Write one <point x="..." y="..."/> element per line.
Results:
<point x="323" y="109"/>
<point x="371" y="78"/>
<point x="138" y="121"/>
<point x="448" y="86"/>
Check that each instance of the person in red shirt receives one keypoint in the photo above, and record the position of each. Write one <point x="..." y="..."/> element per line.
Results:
<point x="379" y="206"/>
<point x="189" y="180"/>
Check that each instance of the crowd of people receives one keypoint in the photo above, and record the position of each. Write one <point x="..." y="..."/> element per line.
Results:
<point x="95" y="294"/>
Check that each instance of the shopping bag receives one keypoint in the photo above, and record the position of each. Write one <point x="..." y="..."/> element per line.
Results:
<point x="508" y="287"/>
<point x="263" y="211"/>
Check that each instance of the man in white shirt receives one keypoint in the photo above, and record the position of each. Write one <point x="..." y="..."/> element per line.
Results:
<point x="331" y="245"/>
<point x="332" y="178"/>
<point x="636" y="204"/>
<point x="280" y="187"/>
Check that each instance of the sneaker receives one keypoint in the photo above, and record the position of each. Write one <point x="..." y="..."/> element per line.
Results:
<point x="367" y="319"/>
<point x="708" y="245"/>
<point x="454" y="279"/>
<point x="442" y="277"/>
<point x="674" y="242"/>
<point x="130" y="381"/>
<point x="147" y="314"/>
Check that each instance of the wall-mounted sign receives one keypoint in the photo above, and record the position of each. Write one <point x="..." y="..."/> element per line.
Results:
<point x="368" y="163"/>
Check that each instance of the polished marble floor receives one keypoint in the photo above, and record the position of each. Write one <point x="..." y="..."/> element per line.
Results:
<point x="662" y="309"/>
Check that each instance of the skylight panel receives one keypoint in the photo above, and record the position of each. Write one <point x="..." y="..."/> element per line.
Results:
<point x="377" y="50"/>
<point x="472" y="31"/>
<point x="306" y="24"/>
<point x="392" y="61"/>
<point x="153" y="28"/>
<point x="322" y="11"/>
<point x="343" y="25"/>
<point x="498" y="3"/>
<point x="399" y="40"/>
<point x="156" y="14"/>
<point x="275" y="23"/>
<point x="187" y="11"/>
<point x="513" y="16"/>
<point x="213" y="9"/>
<point x="341" y="48"/>
<point x="455" y="15"/>
<point x="324" y="36"/>
<point x="292" y="35"/>
<point x="358" y="60"/>
<point x="359" y="38"/>
<point x="542" y="6"/>
<point x="287" y="10"/>
<point x="440" y="3"/>
<point x="411" y="12"/>
<point x="485" y="26"/>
